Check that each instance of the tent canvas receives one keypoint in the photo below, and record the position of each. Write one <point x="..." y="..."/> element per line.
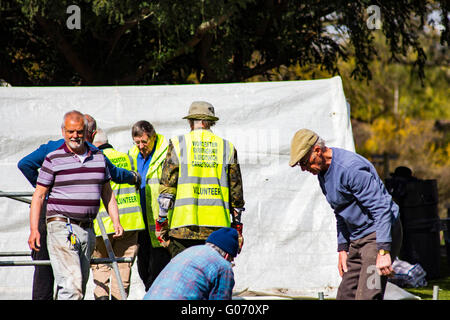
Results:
<point x="289" y="228"/>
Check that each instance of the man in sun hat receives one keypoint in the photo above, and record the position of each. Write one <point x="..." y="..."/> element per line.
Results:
<point x="368" y="225"/>
<point x="202" y="272"/>
<point x="201" y="184"/>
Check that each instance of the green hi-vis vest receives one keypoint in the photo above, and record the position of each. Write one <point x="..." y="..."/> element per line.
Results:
<point x="152" y="183"/>
<point x="202" y="197"/>
<point x="127" y="198"/>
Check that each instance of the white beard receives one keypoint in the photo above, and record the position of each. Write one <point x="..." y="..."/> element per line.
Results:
<point x="75" y="143"/>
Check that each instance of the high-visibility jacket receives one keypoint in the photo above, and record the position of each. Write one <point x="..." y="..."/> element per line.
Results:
<point x="152" y="183"/>
<point x="127" y="198"/>
<point x="202" y="196"/>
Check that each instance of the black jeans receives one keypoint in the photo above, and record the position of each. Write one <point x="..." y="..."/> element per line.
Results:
<point x="43" y="279"/>
<point x="150" y="261"/>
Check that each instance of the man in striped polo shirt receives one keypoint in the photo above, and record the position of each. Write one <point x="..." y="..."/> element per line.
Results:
<point x="76" y="177"/>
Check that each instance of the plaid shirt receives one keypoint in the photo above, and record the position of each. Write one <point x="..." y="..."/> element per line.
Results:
<point x="197" y="273"/>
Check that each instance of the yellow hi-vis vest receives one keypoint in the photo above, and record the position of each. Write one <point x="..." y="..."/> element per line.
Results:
<point x="202" y="197"/>
<point x="152" y="183"/>
<point x="127" y="198"/>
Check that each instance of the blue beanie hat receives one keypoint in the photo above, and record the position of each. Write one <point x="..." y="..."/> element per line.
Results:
<point x="226" y="239"/>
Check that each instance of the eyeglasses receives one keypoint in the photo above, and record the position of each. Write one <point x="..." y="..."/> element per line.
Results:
<point x="305" y="160"/>
<point x="144" y="142"/>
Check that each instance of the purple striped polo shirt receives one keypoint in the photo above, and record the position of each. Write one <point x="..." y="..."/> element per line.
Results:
<point x="75" y="187"/>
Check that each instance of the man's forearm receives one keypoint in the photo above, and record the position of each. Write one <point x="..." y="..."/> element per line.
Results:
<point x="169" y="174"/>
<point x="37" y="202"/>
<point x="236" y="190"/>
<point x="111" y="203"/>
<point x="119" y="175"/>
<point x="113" y="211"/>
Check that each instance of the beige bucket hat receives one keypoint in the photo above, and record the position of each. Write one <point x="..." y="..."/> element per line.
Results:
<point x="301" y="143"/>
<point x="201" y="110"/>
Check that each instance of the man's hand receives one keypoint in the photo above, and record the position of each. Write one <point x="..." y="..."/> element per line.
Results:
<point x="384" y="265"/>
<point x="342" y="264"/>
<point x="118" y="231"/>
<point x="239" y="228"/>
<point x="162" y="231"/>
<point x="37" y="202"/>
<point x="165" y="201"/>
<point x="34" y="240"/>
<point x="137" y="180"/>
<point x="237" y="224"/>
<point x="110" y="202"/>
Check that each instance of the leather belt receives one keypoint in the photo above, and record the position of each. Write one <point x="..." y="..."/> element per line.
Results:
<point x="82" y="224"/>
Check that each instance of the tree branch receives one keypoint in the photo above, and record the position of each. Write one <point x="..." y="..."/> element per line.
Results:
<point x="203" y="59"/>
<point x="120" y="31"/>
<point x="202" y="29"/>
<point x="52" y="30"/>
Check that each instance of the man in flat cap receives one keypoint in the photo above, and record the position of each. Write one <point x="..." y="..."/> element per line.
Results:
<point x="368" y="224"/>
<point x="201" y="184"/>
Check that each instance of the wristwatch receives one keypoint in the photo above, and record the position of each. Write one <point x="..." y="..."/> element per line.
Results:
<point x="382" y="252"/>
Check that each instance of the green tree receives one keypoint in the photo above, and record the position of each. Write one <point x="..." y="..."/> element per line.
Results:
<point x="395" y="114"/>
<point x="162" y="42"/>
<point x="397" y="91"/>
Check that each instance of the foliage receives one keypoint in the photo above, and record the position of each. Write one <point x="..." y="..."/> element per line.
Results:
<point x="396" y="90"/>
<point x="402" y="126"/>
<point x="415" y="144"/>
<point x="162" y="42"/>
<point x="169" y="42"/>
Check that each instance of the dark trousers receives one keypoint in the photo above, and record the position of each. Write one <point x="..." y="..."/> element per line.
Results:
<point x="362" y="281"/>
<point x="150" y="261"/>
<point x="43" y="279"/>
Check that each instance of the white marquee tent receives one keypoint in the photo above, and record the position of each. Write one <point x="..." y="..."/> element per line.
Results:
<point x="289" y="228"/>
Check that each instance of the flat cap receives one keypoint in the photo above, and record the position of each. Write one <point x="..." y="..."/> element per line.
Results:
<point x="301" y="143"/>
<point x="201" y="110"/>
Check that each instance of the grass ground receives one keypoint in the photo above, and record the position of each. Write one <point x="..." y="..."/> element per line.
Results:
<point x="426" y="293"/>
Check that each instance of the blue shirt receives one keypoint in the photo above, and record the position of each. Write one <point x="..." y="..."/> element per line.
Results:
<point x="30" y="164"/>
<point x="197" y="273"/>
<point x="142" y="168"/>
<point x="359" y="199"/>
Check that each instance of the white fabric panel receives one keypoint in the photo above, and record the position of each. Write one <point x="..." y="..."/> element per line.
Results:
<point x="289" y="228"/>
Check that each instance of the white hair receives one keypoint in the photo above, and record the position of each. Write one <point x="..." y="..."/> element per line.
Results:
<point x="321" y="143"/>
<point x="100" y="137"/>
<point x="74" y="113"/>
<point x="219" y="250"/>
